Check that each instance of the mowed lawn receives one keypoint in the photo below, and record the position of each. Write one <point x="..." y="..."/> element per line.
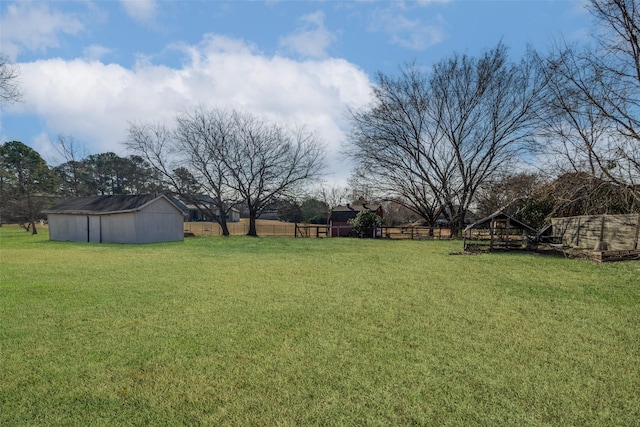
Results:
<point x="281" y="331"/>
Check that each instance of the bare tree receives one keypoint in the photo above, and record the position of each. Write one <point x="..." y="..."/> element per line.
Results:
<point x="331" y="195"/>
<point x="400" y="186"/>
<point x="616" y="64"/>
<point x="9" y="81"/>
<point x="203" y="137"/>
<point x="507" y="192"/>
<point x="614" y="87"/>
<point x="393" y="145"/>
<point x="265" y="162"/>
<point x="71" y="172"/>
<point x="593" y="110"/>
<point x="231" y="156"/>
<point x="484" y="110"/>
<point x="181" y="160"/>
<point x="433" y="139"/>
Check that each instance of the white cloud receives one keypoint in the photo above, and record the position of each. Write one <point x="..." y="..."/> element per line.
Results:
<point x="428" y="2"/>
<point x="94" y="101"/>
<point x="140" y="10"/>
<point x="35" y="27"/>
<point x="312" y="39"/>
<point x="95" y="52"/>
<point x="411" y="33"/>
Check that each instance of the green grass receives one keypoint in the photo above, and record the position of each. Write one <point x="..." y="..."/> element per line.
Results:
<point x="281" y="331"/>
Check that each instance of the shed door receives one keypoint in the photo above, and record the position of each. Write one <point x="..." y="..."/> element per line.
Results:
<point x="95" y="229"/>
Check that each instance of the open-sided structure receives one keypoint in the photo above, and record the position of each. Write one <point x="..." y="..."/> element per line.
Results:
<point x="498" y="231"/>
<point x="116" y="219"/>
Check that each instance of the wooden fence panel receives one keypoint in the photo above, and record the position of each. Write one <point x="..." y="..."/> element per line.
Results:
<point x="263" y="228"/>
<point x="283" y="229"/>
<point x="620" y="232"/>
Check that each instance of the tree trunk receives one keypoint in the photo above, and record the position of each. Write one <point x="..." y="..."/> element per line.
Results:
<point x="31" y="215"/>
<point x="224" y="228"/>
<point x="222" y="222"/>
<point x="461" y="225"/>
<point x="252" y="225"/>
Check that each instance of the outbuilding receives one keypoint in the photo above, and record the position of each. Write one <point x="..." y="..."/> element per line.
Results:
<point x="498" y="231"/>
<point x="198" y="208"/>
<point x="340" y="216"/>
<point x="142" y="218"/>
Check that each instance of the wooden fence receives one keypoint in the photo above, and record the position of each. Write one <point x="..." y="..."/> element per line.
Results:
<point x="263" y="227"/>
<point x="285" y="229"/>
<point x="619" y="232"/>
<point x="396" y="233"/>
<point x="417" y="233"/>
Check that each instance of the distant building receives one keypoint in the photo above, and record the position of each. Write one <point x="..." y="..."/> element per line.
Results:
<point x="116" y="219"/>
<point x="192" y="213"/>
<point x="340" y="216"/>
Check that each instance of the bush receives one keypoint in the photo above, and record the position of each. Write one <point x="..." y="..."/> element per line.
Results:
<point x="365" y="223"/>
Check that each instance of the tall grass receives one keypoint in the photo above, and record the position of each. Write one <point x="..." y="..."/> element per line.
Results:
<point x="282" y="331"/>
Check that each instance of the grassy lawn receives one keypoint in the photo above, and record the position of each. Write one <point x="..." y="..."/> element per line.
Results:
<point x="282" y="331"/>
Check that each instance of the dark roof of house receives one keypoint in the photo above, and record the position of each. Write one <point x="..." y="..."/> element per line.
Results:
<point x="105" y="204"/>
<point x="501" y="215"/>
<point x="186" y="203"/>
<point x="344" y="213"/>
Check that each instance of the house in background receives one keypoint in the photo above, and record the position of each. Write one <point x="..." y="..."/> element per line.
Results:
<point x="116" y="219"/>
<point x="192" y="213"/>
<point x="340" y="216"/>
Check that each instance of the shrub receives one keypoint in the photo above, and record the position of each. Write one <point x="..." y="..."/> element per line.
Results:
<point x="365" y="223"/>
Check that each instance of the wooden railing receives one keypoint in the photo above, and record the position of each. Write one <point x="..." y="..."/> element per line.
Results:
<point x="286" y="229"/>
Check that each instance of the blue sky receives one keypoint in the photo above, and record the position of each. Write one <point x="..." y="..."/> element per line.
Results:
<point x="89" y="68"/>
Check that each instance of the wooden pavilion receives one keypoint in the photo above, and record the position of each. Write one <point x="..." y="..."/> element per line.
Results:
<point x="498" y="231"/>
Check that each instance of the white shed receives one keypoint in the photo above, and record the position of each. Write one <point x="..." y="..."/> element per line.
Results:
<point x="116" y="219"/>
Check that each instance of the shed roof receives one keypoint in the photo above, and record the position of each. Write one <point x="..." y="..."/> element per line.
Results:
<point x="101" y="205"/>
<point x="501" y="215"/>
<point x="344" y="213"/>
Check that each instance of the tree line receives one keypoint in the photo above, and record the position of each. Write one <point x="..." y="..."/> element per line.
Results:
<point x="28" y="184"/>
<point x="554" y="133"/>
<point x="233" y="158"/>
<point x="443" y="141"/>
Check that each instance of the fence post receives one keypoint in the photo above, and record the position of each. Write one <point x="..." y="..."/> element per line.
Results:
<point x="491" y="225"/>
<point x="635" y="243"/>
